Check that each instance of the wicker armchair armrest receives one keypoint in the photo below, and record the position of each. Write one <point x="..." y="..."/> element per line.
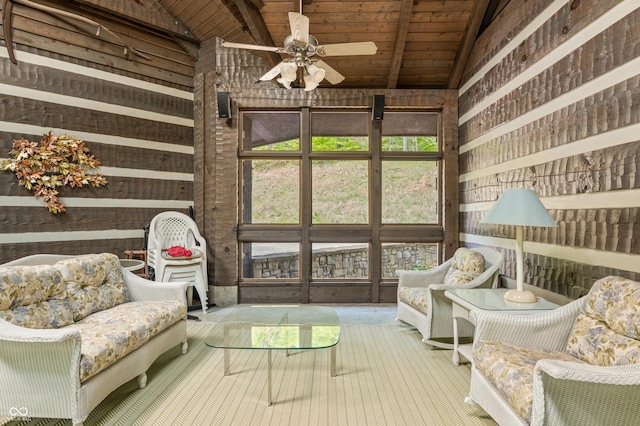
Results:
<point x="566" y="393"/>
<point x="142" y="289"/>
<point x="547" y="330"/>
<point x="40" y="368"/>
<point x="14" y="333"/>
<point x="423" y="278"/>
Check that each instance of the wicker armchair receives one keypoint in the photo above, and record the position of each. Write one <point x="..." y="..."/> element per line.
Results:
<point x="422" y="303"/>
<point x="576" y="365"/>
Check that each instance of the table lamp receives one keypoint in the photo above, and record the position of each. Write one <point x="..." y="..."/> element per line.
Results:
<point x="519" y="207"/>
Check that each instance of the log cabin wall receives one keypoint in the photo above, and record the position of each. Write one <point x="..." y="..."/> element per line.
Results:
<point x="135" y="115"/>
<point x="550" y="101"/>
<point x="236" y="72"/>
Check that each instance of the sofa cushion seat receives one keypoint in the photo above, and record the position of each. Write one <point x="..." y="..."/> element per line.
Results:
<point x="109" y="335"/>
<point x="509" y="368"/>
<point x="416" y="297"/>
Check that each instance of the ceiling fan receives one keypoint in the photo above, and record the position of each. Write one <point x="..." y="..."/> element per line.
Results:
<point x="303" y="47"/>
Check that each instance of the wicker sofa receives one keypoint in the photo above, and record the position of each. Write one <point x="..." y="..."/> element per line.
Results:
<point x="73" y="329"/>
<point x="576" y="365"/>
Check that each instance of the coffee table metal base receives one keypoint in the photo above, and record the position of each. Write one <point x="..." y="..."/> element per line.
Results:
<point x="227" y="368"/>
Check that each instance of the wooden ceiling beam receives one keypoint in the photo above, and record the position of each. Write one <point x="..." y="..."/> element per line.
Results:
<point x="401" y="38"/>
<point x="145" y="12"/>
<point x="257" y="28"/>
<point x="471" y="33"/>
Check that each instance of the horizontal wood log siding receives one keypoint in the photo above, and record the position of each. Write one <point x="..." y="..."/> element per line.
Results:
<point x="238" y="74"/>
<point x="136" y="117"/>
<point x="557" y="111"/>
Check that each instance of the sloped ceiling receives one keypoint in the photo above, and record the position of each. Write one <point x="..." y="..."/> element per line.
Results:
<point x="421" y="43"/>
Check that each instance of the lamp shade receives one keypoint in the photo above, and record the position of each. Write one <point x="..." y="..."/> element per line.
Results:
<point x="519" y="207"/>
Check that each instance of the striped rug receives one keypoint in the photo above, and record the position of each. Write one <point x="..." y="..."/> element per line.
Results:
<point x="385" y="376"/>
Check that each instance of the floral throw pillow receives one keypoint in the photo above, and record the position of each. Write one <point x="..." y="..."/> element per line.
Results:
<point x="466" y="266"/>
<point x="34" y="297"/>
<point x="94" y="283"/>
<point x="606" y="330"/>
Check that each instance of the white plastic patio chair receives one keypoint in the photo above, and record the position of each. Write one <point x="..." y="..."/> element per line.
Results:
<point x="169" y="229"/>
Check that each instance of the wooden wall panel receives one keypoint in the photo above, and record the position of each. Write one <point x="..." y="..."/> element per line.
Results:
<point x="164" y="60"/>
<point x="56" y="81"/>
<point x="596" y="57"/>
<point x="607" y="110"/>
<point x="53" y="115"/>
<point x="571" y="18"/>
<point x="136" y="117"/>
<point x="16" y="251"/>
<point x="118" y="187"/>
<point x="270" y="294"/>
<point x="558" y="113"/>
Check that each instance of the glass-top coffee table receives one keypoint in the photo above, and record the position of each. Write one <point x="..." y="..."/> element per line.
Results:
<point x="277" y="327"/>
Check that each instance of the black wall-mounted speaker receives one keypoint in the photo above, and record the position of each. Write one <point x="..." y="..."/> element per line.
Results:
<point x="378" y="108"/>
<point x="224" y="105"/>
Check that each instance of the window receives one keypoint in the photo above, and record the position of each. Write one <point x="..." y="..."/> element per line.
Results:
<point x="330" y="198"/>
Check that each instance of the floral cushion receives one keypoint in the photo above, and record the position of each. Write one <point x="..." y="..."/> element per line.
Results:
<point x="466" y="265"/>
<point x="34" y="297"/>
<point x="606" y="331"/>
<point x="416" y="297"/>
<point x="509" y="368"/>
<point x="107" y="336"/>
<point x="94" y="283"/>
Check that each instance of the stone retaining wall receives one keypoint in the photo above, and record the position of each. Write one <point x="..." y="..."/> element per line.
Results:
<point x="340" y="263"/>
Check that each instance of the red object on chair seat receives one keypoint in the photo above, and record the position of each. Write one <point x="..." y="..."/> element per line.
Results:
<point x="178" y="251"/>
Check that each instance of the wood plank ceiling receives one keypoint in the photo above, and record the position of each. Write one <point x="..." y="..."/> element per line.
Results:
<point x="421" y="43"/>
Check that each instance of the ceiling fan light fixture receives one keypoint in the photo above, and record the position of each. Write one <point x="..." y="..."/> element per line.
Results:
<point x="289" y="71"/>
<point x="313" y="77"/>
<point x="285" y="83"/>
<point x="309" y="84"/>
<point x="316" y="73"/>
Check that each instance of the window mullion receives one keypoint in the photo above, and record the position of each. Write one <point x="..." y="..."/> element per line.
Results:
<point x="375" y="209"/>
<point x="305" y="203"/>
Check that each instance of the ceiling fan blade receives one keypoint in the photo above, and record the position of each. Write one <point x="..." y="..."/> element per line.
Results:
<point x="272" y="73"/>
<point x="250" y="46"/>
<point x="347" y="49"/>
<point x="299" y="25"/>
<point x="331" y="75"/>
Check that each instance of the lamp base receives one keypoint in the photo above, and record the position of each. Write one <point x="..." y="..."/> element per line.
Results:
<point x="520" y="296"/>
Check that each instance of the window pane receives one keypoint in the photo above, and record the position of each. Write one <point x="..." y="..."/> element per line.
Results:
<point x="270" y="260"/>
<point x="340" y="192"/>
<point x="271" y="131"/>
<point x="408" y="256"/>
<point x="410" y="132"/>
<point x="339" y="261"/>
<point x="270" y="191"/>
<point x="409" y="192"/>
<point x="339" y="131"/>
